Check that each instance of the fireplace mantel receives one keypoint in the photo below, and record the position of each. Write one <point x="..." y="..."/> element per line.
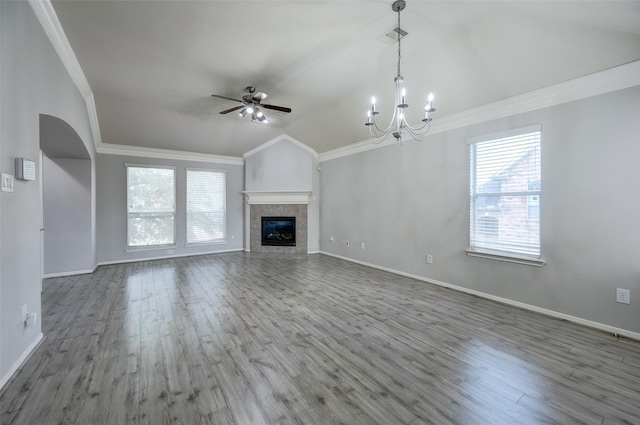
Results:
<point x="277" y="197"/>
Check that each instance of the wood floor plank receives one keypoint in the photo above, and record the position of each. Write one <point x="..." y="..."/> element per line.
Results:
<point x="153" y="405"/>
<point x="326" y="404"/>
<point x="239" y="338"/>
<point x="241" y="403"/>
<point x="125" y="395"/>
<point x="97" y="403"/>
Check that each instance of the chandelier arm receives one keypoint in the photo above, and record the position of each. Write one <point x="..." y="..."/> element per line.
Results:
<point x="417" y="128"/>
<point x="387" y="130"/>
<point x="377" y="130"/>
<point x="419" y="134"/>
<point x="380" y="135"/>
<point x="378" y="140"/>
<point x="415" y="137"/>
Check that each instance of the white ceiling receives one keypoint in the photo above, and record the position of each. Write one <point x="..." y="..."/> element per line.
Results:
<point x="152" y="65"/>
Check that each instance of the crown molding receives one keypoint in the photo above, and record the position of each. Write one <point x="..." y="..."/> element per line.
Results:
<point x="609" y="80"/>
<point x="126" y="150"/>
<point x="49" y="21"/>
<point x="46" y="15"/>
<point x="281" y="138"/>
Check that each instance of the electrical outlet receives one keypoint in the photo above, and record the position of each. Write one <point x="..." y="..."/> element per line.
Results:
<point x="332" y="240"/>
<point x="362" y="245"/>
<point x="623" y="296"/>
<point x="429" y="259"/>
<point x="30" y="320"/>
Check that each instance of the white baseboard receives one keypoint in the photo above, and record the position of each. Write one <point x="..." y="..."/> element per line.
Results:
<point x="589" y="323"/>
<point x="308" y="252"/>
<point x="18" y="364"/>
<point x="166" y="257"/>
<point x="73" y="273"/>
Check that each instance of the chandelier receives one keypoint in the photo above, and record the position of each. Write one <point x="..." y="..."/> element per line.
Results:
<point x="398" y="125"/>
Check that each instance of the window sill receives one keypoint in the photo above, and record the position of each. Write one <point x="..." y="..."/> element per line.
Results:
<point x="527" y="261"/>
<point x="196" y="244"/>
<point x="149" y="248"/>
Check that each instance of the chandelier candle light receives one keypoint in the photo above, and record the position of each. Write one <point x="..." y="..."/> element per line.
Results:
<point x="417" y="132"/>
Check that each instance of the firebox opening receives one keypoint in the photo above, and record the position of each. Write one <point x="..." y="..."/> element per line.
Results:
<point x="279" y="231"/>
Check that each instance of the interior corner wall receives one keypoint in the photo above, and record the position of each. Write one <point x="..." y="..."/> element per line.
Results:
<point x="285" y="166"/>
<point x="407" y="201"/>
<point x="33" y="81"/>
<point x="313" y="211"/>
<point x="111" y="188"/>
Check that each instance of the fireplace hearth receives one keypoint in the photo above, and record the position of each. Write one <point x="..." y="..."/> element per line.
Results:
<point x="278" y="231"/>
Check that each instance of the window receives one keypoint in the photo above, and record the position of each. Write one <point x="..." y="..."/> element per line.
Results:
<point x="206" y="206"/>
<point x="505" y="194"/>
<point x="151" y="206"/>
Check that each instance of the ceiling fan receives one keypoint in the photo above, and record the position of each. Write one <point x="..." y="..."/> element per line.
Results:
<point x="251" y="104"/>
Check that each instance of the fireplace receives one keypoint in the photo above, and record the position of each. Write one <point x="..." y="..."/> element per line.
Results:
<point x="279" y="231"/>
<point x="259" y="210"/>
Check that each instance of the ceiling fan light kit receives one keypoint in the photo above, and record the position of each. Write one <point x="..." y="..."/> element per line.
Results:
<point x="251" y="104"/>
<point x="398" y="125"/>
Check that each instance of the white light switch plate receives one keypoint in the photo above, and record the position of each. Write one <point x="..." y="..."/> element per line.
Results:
<point x="7" y="182"/>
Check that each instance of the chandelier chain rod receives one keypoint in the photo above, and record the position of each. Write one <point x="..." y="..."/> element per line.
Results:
<point x="399" y="41"/>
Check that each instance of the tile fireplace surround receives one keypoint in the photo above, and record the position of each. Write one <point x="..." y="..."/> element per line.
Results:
<point x="278" y="204"/>
<point x="257" y="211"/>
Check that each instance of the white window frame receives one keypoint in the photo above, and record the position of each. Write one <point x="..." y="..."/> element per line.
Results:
<point x="212" y="241"/>
<point x="485" y="250"/>
<point x="129" y="247"/>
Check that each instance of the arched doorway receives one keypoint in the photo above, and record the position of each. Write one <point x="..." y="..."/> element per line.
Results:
<point x="67" y="239"/>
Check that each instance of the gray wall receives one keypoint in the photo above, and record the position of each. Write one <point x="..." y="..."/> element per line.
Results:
<point x="281" y="166"/>
<point x="286" y="166"/>
<point x="67" y="222"/>
<point x="112" y="209"/>
<point x="408" y="201"/>
<point x="33" y="81"/>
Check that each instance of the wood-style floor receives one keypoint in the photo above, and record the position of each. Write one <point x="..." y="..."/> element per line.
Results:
<point x="270" y="339"/>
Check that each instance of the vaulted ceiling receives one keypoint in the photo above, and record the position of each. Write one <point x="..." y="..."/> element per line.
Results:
<point x="153" y="65"/>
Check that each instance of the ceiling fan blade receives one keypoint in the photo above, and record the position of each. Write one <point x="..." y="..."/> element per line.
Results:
<point x="225" y="98"/>
<point x="235" y="108"/>
<point x="277" y="108"/>
<point x="259" y="96"/>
